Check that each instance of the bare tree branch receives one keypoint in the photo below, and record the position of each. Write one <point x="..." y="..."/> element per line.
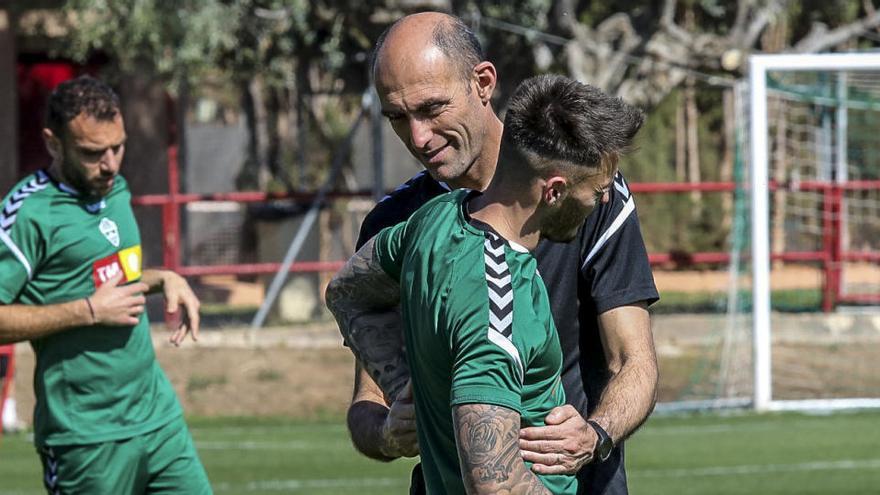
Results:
<point x="759" y="23"/>
<point x="820" y="38"/>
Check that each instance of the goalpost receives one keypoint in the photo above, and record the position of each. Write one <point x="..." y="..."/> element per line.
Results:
<point x="817" y="100"/>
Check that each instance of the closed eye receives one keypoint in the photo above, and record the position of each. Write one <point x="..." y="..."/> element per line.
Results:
<point x="432" y="108"/>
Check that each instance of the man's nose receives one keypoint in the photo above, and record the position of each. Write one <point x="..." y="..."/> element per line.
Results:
<point x="420" y="133"/>
<point x="109" y="161"/>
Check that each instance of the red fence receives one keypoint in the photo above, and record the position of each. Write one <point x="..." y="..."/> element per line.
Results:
<point x="831" y="256"/>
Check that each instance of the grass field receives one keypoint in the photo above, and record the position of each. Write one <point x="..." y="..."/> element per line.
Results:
<point x="705" y="454"/>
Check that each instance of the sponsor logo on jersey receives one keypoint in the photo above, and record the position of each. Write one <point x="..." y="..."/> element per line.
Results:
<point x="110" y="230"/>
<point x="126" y="261"/>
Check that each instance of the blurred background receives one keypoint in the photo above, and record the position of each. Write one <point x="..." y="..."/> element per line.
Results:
<point x="256" y="148"/>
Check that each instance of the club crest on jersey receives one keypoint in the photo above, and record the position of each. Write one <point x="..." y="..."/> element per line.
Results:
<point x="110" y="230"/>
<point x="126" y="261"/>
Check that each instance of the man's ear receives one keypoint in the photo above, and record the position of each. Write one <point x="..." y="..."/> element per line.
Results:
<point x="486" y="78"/>
<point x="554" y="190"/>
<point x="53" y="143"/>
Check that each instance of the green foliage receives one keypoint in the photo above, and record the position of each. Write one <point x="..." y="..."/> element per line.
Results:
<point x="169" y="37"/>
<point x="239" y="38"/>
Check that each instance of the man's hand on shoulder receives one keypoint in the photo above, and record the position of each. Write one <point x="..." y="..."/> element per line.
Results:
<point x="563" y="446"/>
<point x="117" y="305"/>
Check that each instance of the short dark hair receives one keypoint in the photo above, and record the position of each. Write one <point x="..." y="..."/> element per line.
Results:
<point x="557" y="118"/>
<point x="452" y="36"/>
<point x="84" y="94"/>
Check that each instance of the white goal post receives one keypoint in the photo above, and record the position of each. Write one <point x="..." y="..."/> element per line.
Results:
<point x="759" y="67"/>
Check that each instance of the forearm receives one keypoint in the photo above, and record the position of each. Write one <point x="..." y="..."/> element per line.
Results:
<point x="366" y="416"/>
<point x="488" y="451"/>
<point x="631" y="392"/>
<point x="365" y="420"/>
<point x="19" y="322"/>
<point x="628" y="398"/>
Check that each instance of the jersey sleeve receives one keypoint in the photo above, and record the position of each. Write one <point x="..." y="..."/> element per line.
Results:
<point x="614" y="260"/>
<point x="485" y="364"/>
<point x="21" y="249"/>
<point x="388" y="249"/>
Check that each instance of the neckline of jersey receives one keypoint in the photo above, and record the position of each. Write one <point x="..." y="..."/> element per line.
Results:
<point x="483" y="227"/>
<point x="71" y="191"/>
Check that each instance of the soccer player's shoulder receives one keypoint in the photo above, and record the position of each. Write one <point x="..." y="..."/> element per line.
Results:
<point x="400" y="204"/>
<point x="29" y="198"/>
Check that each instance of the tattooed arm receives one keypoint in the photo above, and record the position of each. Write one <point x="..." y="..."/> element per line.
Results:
<point x="487" y="437"/>
<point x="364" y="299"/>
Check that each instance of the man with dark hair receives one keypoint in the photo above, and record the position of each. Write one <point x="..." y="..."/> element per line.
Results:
<point x="107" y="420"/>
<point x="482" y="347"/>
<point x="599" y="285"/>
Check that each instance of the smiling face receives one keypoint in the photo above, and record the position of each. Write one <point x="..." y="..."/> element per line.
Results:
<point x="90" y="153"/>
<point x="437" y="113"/>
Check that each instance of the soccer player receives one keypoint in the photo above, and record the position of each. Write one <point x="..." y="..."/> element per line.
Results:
<point x="436" y="89"/>
<point x="483" y="352"/>
<point x="106" y="420"/>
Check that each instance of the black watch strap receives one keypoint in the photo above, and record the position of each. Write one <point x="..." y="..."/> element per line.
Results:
<point x="604" y="444"/>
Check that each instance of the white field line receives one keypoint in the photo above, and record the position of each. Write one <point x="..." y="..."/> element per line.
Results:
<point x="309" y="485"/>
<point x="269" y="445"/>
<point x="648" y="431"/>
<point x="847" y="464"/>
<point x="271" y="429"/>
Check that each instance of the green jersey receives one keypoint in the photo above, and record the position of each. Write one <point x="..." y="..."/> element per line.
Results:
<point x="96" y="383"/>
<point x="478" y="329"/>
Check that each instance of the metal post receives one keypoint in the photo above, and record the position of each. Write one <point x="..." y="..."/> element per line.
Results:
<point x="841" y="176"/>
<point x="306" y="226"/>
<point x="171" y="214"/>
<point x="760" y="234"/>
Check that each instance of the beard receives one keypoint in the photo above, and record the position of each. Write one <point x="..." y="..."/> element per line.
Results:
<point x="563" y="224"/>
<point x="93" y="188"/>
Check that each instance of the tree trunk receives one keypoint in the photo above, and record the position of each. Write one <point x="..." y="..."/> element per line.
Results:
<point x="680" y="139"/>
<point x="775" y="39"/>
<point x="778" y="164"/>
<point x="727" y="157"/>
<point x="693" y="142"/>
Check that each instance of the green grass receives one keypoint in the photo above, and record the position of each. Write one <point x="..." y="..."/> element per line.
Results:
<point x="788" y="300"/>
<point x="706" y="454"/>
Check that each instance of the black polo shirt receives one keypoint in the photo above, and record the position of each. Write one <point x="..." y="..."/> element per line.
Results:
<point x="605" y="267"/>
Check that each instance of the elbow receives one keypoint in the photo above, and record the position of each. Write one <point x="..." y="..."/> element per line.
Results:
<point x="332" y="295"/>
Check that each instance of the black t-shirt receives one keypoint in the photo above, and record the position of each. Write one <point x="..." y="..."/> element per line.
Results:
<point x="604" y="268"/>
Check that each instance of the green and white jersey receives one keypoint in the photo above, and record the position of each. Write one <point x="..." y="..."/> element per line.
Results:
<point x="478" y="329"/>
<point x="93" y="384"/>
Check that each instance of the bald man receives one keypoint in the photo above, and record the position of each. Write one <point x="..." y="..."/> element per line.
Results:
<point x="435" y="89"/>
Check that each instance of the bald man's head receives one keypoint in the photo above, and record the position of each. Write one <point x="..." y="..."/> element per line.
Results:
<point x="417" y="32"/>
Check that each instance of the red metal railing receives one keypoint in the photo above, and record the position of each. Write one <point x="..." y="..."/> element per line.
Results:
<point x="831" y="257"/>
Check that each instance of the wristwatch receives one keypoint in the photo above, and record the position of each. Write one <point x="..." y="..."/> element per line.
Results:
<point x="604" y="444"/>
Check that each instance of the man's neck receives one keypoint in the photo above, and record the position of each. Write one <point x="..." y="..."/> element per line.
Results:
<point x="510" y="211"/>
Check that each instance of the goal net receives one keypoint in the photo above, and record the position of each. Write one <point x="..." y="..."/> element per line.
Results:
<point x="802" y="329"/>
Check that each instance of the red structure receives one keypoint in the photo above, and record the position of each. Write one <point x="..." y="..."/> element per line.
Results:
<point x="831" y="257"/>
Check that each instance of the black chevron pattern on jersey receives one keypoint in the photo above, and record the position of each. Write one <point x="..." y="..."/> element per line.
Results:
<point x="500" y="288"/>
<point x="16" y="199"/>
